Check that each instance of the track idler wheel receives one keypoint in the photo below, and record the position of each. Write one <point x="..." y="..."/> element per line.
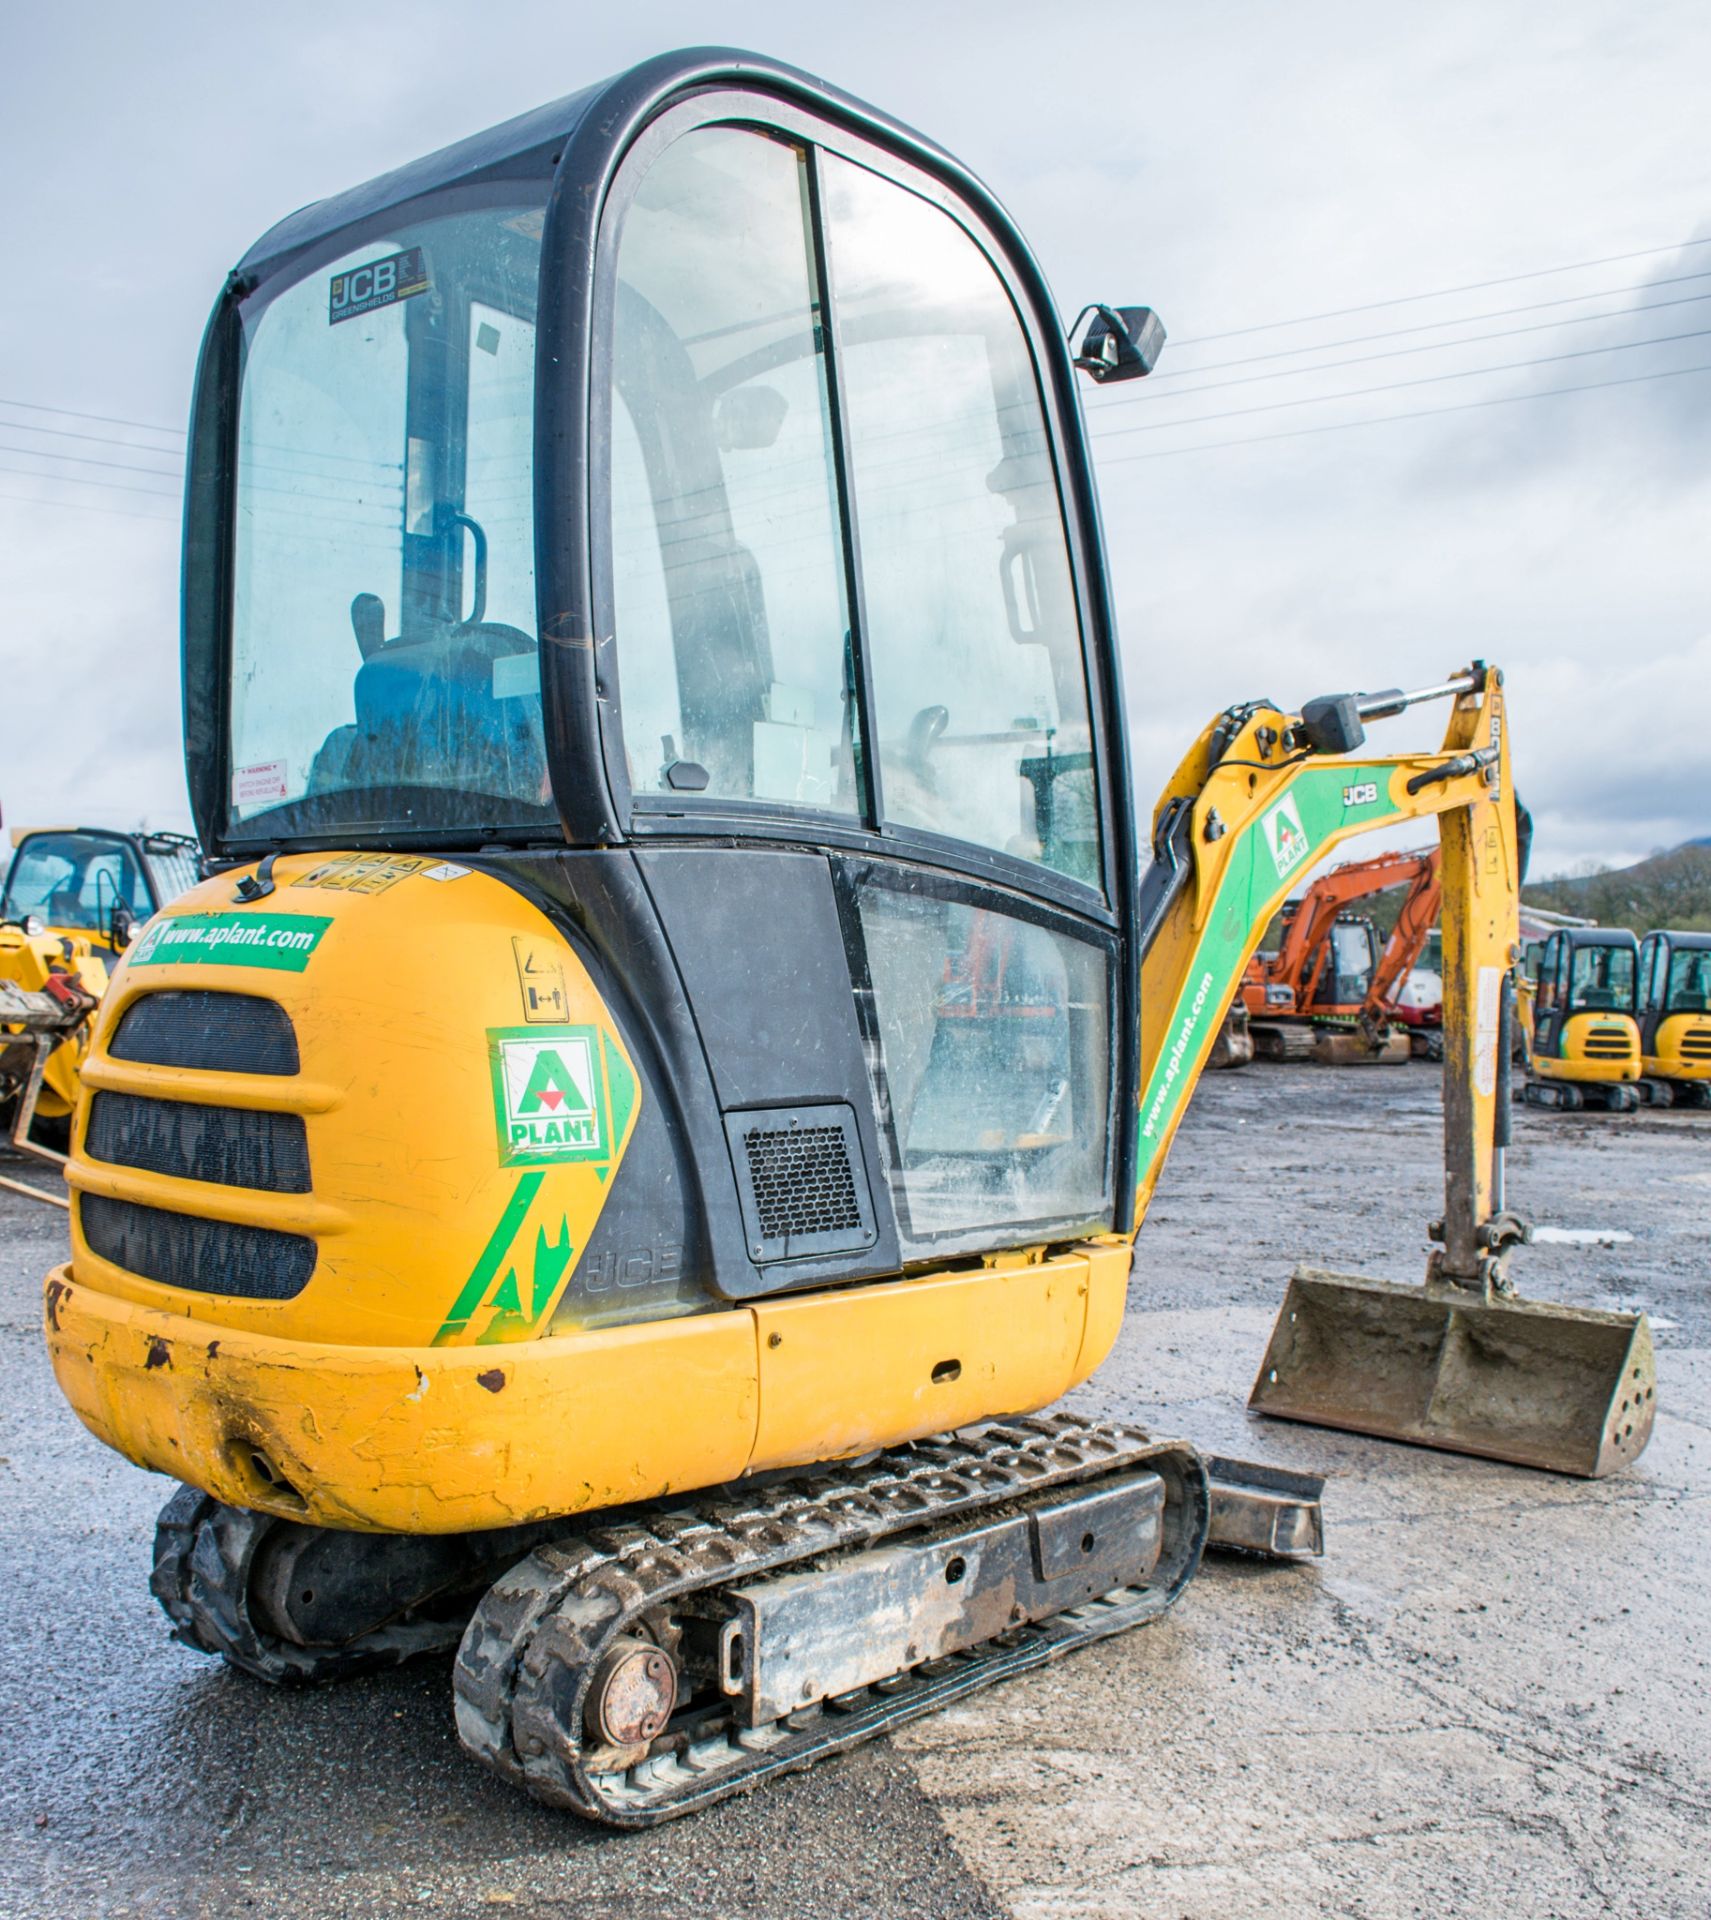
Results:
<point x="210" y="1562"/>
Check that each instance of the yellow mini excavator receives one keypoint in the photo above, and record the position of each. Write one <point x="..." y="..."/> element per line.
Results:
<point x="663" y="1081"/>
<point x="1581" y="1040"/>
<point x="1675" y="1019"/>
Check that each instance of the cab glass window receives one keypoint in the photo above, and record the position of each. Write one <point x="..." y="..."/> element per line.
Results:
<point x="728" y="572"/>
<point x="989" y="1034"/>
<point x="1348" y="964"/>
<point x="1602" y="980"/>
<point x="981" y="719"/>
<point x="75" y="881"/>
<point x="1690" y="981"/>
<point x="384" y="653"/>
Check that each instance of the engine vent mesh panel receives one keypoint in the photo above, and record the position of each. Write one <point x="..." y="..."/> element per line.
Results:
<point x="225" y="1145"/>
<point x="802" y="1181"/>
<point x="218" y="1032"/>
<point x="203" y="1256"/>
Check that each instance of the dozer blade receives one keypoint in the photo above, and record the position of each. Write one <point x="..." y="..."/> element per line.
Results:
<point x="1569" y="1389"/>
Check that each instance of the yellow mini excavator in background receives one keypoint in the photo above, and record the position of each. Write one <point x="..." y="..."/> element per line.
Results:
<point x="1580" y="1038"/>
<point x="663" y="1080"/>
<point x="1674" y="1017"/>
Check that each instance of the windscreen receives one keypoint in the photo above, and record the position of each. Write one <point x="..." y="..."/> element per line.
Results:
<point x="384" y="651"/>
<point x="74" y="880"/>
<point x="1602" y="980"/>
<point x="1690" y="981"/>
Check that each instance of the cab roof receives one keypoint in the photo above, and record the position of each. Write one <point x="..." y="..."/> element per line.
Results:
<point x="529" y="145"/>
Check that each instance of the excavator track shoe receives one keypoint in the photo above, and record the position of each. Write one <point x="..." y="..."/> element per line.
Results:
<point x="1569" y="1389"/>
<point x="822" y="1611"/>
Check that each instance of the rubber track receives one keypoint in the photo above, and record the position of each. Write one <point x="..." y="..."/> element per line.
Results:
<point x="203" y="1553"/>
<point x="522" y="1673"/>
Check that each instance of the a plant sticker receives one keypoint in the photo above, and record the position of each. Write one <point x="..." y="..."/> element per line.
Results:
<point x="1286" y="837"/>
<point x="280" y="942"/>
<point x="548" y="1100"/>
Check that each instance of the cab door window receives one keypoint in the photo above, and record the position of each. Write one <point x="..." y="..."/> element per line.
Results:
<point x="970" y="622"/>
<point x="728" y="571"/>
<point x="988" y="1035"/>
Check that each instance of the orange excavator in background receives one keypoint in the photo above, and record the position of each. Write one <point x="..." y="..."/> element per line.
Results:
<point x="1329" y="992"/>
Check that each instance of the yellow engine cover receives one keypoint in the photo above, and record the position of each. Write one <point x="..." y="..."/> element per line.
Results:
<point x="1681" y="1048"/>
<point x="1595" y="1049"/>
<point x="467" y="1099"/>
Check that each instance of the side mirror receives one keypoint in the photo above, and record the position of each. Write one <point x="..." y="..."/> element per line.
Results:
<point x="1118" y="343"/>
<point x="121" y="926"/>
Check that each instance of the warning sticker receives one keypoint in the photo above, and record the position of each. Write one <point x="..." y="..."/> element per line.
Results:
<point x="548" y="1100"/>
<point x="363" y="872"/>
<point x="262" y="785"/>
<point x="379" y="284"/>
<point x="540" y="976"/>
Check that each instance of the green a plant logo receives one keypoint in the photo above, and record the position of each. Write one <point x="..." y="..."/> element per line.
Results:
<point x="1286" y="837"/>
<point x="548" y="1100"/>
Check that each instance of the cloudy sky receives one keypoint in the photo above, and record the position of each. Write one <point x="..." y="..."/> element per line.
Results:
<point x="1385" y="240"/>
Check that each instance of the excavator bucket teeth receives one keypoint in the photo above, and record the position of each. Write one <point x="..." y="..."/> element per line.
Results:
<point x="1569" y="1389"/>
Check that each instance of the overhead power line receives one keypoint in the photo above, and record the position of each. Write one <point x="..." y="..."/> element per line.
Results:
<point x="1395" y="386"/>
<point x="102" y="419"/>
<point x="88" y="460"/>
<point x="1108" y="403"/>
<point x="1403" y="353"/>
<point x="1442" y="293"/>
<point x="1418" y="413"/>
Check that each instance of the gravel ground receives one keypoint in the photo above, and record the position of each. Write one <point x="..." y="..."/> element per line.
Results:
<point x="1492" y="1693"/>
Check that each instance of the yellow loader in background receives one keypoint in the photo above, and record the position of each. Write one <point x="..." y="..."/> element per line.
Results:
<point x="663" y="1082"/>
<point x="97" y="884"/>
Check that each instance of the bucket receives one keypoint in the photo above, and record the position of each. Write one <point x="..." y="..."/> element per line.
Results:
<point x="1569" y="1389"/>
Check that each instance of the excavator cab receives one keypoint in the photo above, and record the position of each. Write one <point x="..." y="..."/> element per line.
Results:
<point x="1585" y="1045"/>
<point x="1674" y="1014"/>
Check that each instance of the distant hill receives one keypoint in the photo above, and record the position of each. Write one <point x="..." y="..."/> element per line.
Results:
<point x="1668" y="890"/>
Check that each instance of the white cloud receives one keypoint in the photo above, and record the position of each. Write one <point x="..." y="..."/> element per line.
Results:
<point x="1232" y="164"/>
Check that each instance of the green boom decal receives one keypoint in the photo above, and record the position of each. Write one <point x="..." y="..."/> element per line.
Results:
<point x="1286" y="839"/>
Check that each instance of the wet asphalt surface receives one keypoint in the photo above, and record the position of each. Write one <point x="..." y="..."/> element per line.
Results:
<point x="1492" y="1694"/>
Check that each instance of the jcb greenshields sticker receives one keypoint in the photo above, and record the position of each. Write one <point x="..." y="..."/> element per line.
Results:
<point x="548" y="1099"/>
<point x="281" y="942"/>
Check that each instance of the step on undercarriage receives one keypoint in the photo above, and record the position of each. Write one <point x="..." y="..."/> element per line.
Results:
<point x="662" y="1658"/>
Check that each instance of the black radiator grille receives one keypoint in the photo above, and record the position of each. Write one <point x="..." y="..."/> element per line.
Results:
<point x="217" y="1032"/>
<point x="229" y="1146"/>
<point x="1609" y="1043"/>
<point x="202" y="1256"/>
<point x="802" y="1181"/>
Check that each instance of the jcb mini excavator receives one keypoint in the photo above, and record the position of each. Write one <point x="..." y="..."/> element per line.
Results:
<point x="667" y="1071"/>
<point x="1675" y="1019"/>
<point x="1329" y="991"/>
<point x="1581" y="1040"/>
